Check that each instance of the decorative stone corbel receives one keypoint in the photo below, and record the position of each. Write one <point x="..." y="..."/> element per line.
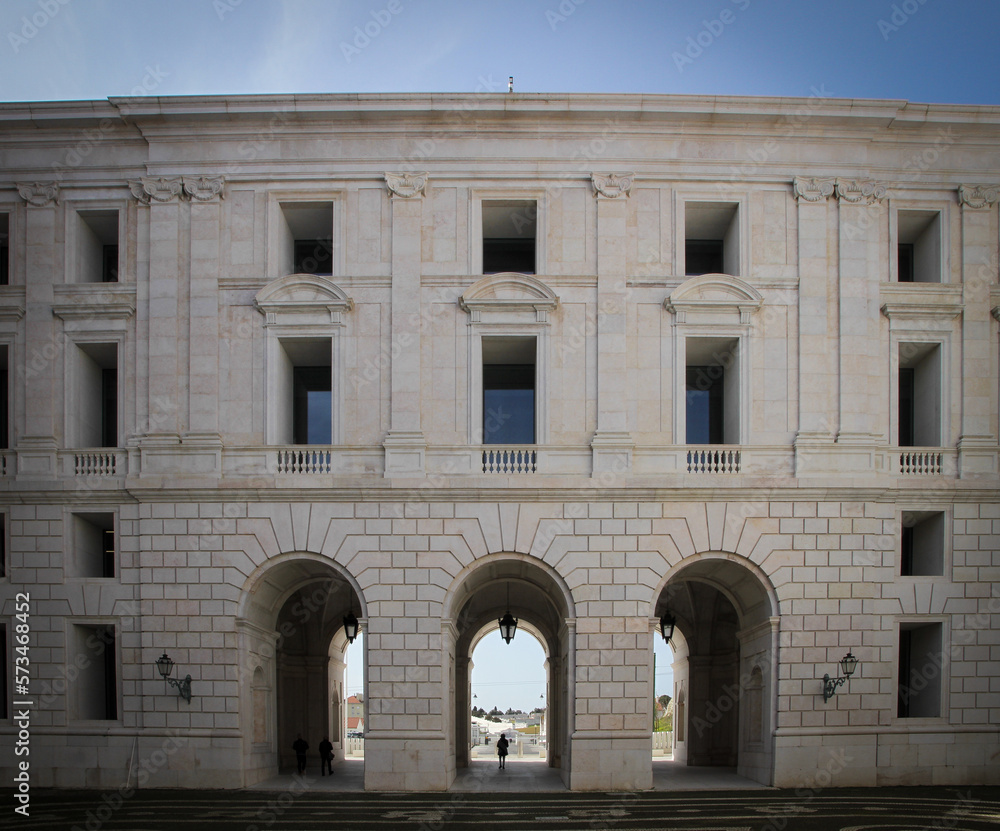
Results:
<point x="811" y="189"/>
<point x="204" y="188"/>
<point x="613" y="185"/>
<point x="38" y="194"/>
<point x="977" y="196"/>
<point x="406" y="185"/>
<point x="152" y="189"/>
<point x="860" y="191"/>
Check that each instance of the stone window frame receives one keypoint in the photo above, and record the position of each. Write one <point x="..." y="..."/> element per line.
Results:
<point x="944" y="676"/>
<point x="73" y="340"/>
<point x="742" y="201"/>
<point x="305" y="307"/>
<point x="526" y="194"/>
<point x="947" y="546"/>
<point x="699" y="314"/>
<point x="521" y="310"/>
<point x="72" y="709"/>
<point x="69" y="554"/>
<point x="272" y="248"/>
<point x="72" y="264"/>
<point x="942" y="206"/>
<point x="14" y="211"/>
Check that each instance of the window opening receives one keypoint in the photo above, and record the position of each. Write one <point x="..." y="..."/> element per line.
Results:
<point x="509" y="236"/>
<point x="509" y="390"/>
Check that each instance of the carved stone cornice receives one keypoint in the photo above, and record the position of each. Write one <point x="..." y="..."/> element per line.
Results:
<point x="406" y="185"/>
<point x="977" y="196"/>
<point x="860" y="191"/>
<point x="204" y="188"/>
<point x="38" y="194"/>
<point x="811" y="189"/>
<point x="156" y="189"/>
<point x="613" y="185"/>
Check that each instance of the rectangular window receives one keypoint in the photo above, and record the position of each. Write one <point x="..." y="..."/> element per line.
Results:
<point x="711" y="238"/>
<point x="312" y="403"/>
<point x="4" y="400"/>
<point x="509" y="390"/>
<point x="3" y="672"/>
<point x="922" y="543"/>
<point x="712" y="406"/>
<point x="3" y="544"/>
<point x="919" y="395"/>
<point x="96" y="412"/>
<point x="304" y="381"/>
<point x="93" y="654"/>
<point x="307" y="238"/>
<point x="509" y="236"/>
<point x="918" y="246"/>
<point x="5" y="268"/>
<point x="98" y="246"/>
<point x="921" y="661"/>
<point x="93" y="545"/>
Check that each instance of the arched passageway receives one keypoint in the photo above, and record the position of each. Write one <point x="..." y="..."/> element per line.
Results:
<point x="292" y="644"/>
<point x="543" y="606"/>
<point x="725" y="663"/>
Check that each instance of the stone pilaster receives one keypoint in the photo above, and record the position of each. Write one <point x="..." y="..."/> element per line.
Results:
<point x="612" y="444"/>
<point x="44" y="349"/>
<point x="405" y="445"/>
<point x="977" y="440"/>
<point x="817" y="325"/>
<point x="861" y="269"/>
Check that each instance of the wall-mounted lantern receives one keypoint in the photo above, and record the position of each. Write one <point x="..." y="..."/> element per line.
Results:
<point x="847" y="666"/>
<point x="165" y="667"/>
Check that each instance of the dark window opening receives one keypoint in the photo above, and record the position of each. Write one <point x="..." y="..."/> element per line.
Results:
<point x="906" y="550"/>
<point x="705" y="417"/>
<point x="921" y="544"/>
<point x="109" y="266"/>
<point x="3" y="545"/>
<point x="509" y="236"/>
<point x="918" y="692"/>
<point x="509" y="404"/>
<point x="313" y="256"/>
<point x="110" y="675"/>
<point x="4" y="250"/>
<point x="904" y="262"/>
<point x="703" y="256"/>
<point x="93" y="544"/>
<point x="109" y="407"/>
<point x="96" y="683"/>
<point x="4" y="401"/>
<point x="3" y="673"/>
<point x="108" y="563"/>
<point x="906" y="407"/>
<point x="311" y="404"/>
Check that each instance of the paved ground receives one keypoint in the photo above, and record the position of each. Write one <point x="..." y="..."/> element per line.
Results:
<point x="304" y="807"/>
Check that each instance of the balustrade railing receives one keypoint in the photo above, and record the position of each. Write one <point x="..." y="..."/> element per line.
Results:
<point x="713" y="460"/>
<point x="510" y="460"/>
<point x="95" y="463"/>
<point x="305" y="460"/>
<point x="920" y="462"/>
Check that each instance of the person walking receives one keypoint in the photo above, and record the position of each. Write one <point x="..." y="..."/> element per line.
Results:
<point x="502" y="745"/>
<point x="300" y="746"/>
<point x="326" y="756"/>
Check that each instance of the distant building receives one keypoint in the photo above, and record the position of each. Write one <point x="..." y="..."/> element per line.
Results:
<point x="270" y="361"/>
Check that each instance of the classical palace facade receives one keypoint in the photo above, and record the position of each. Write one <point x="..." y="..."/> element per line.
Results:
<point x="270" y="362"/>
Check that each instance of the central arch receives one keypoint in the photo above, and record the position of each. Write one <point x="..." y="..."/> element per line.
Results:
<point x="725" y="662"/>
<point x="544" y="607"/>
<point x="291" y="646"/>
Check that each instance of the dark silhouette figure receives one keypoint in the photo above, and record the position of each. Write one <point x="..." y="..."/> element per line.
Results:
<point x="300" y="746"/>
<point x="502" y="745"/>
<point x="326" y="756"/>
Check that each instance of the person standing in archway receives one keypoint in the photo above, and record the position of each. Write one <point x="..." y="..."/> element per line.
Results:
<point x="300" y="746"/>
<point x="326" y="756"/>
<point x="502" y="745"/>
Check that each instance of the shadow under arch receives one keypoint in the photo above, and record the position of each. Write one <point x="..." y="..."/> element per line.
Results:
<point x="543" y="604"/>
<point x="725" y="661"/>
<point x="291" y="646"/>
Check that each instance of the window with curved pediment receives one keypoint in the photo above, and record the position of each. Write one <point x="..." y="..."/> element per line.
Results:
<point x="508" y="358"/>
<point x="303" y="321"/>
<point x="712" y="314"/>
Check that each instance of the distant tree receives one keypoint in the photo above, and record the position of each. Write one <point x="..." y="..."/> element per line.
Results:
<point x="511" y="711"/>
<point x="664" y="700"/>
<point x="538" y="710"/>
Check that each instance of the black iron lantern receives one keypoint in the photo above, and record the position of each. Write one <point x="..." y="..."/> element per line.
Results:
<point x="165" y="666"/>
<point x="847" y="666"/>
<point x="508" y="623"/>
<point x="667" y="623"/>
<point x="350" y="626"/>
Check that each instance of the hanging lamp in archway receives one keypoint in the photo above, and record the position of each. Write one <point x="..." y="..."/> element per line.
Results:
<point x="350" y="626"/>
<point x="508" y="623"/>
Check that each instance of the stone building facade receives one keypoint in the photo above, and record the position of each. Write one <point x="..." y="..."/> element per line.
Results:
<point x="270" y="361"/>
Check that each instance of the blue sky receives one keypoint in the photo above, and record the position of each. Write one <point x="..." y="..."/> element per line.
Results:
<point x="921" y="50"/>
